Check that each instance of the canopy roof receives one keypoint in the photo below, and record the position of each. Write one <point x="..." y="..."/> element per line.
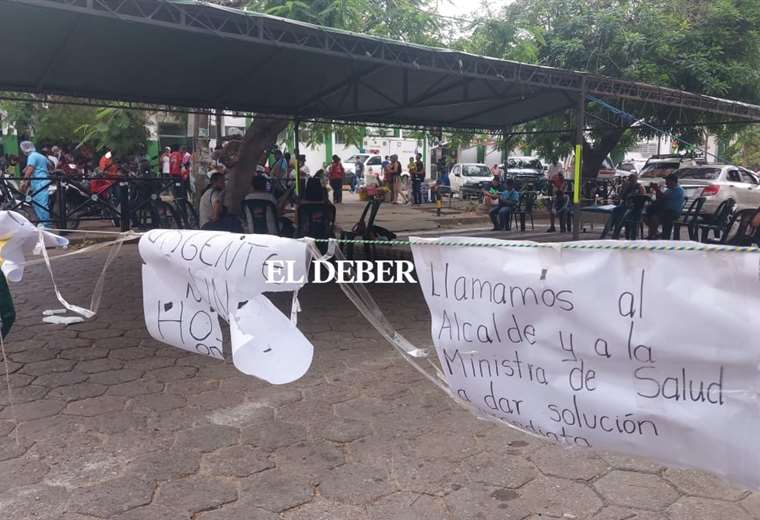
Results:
<point x="193" y="54"/>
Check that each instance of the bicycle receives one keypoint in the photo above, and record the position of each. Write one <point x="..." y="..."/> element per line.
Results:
<point x="187" y="216"/>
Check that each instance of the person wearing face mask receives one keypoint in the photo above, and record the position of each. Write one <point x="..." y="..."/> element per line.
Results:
<point x="36" y="179"/>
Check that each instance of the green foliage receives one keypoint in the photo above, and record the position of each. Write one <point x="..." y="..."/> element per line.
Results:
<point x="70" y="125"/>
<point x="314" y="134"/>
<point x="744" y="149"/>
<point x="19" y="114"/>
<point x="705" y="46"/>
<point x="46" y="123"/>
<point x="124" y="131"/>
<point x="57" y="124"/>
<point x="404" y="20"/>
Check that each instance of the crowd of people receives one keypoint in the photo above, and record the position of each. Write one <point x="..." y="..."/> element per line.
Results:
<point x="96" y="171"/>
<point x="504" y="198"/>
<point x="660" y="210"/>
<point x="274" y="182"/>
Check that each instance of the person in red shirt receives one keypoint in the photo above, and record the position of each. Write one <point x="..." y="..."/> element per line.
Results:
<point x="335" y="173"/>
<point x="175" y="162"/>
<point x="107" y="168"/>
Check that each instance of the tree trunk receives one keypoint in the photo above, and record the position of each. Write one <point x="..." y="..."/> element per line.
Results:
<point x="259" y="137"/>
<point x="593" y="156"/>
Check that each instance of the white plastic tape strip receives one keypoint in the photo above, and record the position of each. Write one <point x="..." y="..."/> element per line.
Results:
<point x="97" y="291"/>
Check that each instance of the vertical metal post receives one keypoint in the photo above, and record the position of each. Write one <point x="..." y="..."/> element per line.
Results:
<point x="507" y="139"/>
<point x="61" y="202"/>
<point x="296" y="138"/>
<point x="580" y="124"/>
<point x="124" y="205"/>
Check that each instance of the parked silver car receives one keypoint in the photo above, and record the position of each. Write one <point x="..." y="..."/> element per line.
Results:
<point x="719" y="182"/>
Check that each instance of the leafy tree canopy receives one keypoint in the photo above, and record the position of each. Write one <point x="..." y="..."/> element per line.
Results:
<point x="705" y="46"/>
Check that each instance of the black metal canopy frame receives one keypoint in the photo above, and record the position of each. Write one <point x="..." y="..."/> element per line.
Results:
<point x="193" y="54"/>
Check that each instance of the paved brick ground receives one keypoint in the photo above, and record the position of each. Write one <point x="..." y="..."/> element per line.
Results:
<point x="114" y="425"/>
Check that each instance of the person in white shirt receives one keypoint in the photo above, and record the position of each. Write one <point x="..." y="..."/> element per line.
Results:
<point x="54" y="157"/>
<point x="166" y="161"/>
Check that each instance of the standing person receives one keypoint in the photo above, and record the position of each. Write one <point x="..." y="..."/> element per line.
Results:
<point x="187" y="160"/>
<point x="55" y="157"/>
<point x="304" y="172"/>
<point x="36" y="176"/>
<point x="358" y="173"/>
<point x="384" y="169"/>
<point x="107" y="168"/>
<point x="279" y="173"/>
<point x="166" y="161"/>
<point x="557" y="183"/>
<point x="501" y="215"/>
<point x="417" y="179"/>
<point x="279" y="168"/>
<point x="175" y="162"/>
<point x="562" y="210"/>
<point x="631" y="187"/>
<point x="393" y="178"/>
<point x="335" y="173"/>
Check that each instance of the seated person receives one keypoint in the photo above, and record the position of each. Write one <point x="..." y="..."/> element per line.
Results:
<point x="507" y="200"/>
<point x="212" y="215"/>
<point x="315" y="191"/>
<point x="666" y="208"/>
<point x="630" y="188"/>
<point x="259" y="185"/>
<point x="562" y="210"/>
<point x="314" y="209"/>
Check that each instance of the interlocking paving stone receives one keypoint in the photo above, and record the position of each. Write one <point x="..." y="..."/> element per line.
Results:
<point x="628" y="488"/>
<point x="208" y="438"/>
<point x="688" y="508"/>
<point x="237" y="461"/>
<point x="95" y="406"/>
<point x="407" y="506"/>
<point x="112" y="497"/>
<point x="195" y="494"/>
<point x="166" y="464"/>
<point x="33" y="410"/>
<point x="276" y="490"/>
<point x="622" y="513"/>
<point x="356" y="484"/>
<point x="697" y="483"/>
<point x="320" y="509"/>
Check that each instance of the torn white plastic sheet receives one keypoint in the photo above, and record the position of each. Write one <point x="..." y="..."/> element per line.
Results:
<point x="19" y="239"/>
<point x="648" y="353"/>
<point x="191" y="278"/>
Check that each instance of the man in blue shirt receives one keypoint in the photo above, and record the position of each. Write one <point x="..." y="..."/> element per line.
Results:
<point x="508" y="200"/>
<point x="666" y="208"/>
<point x="36" y="170"/>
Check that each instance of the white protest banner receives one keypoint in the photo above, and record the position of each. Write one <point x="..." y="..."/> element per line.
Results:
<point x="18" y="239"/>
<point x="644" y="352"/>
<point x="191" y="278"/>
<point x="265" y="344"/>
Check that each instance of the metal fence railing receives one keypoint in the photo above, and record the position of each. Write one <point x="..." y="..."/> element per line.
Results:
<point x="64" y="201"/>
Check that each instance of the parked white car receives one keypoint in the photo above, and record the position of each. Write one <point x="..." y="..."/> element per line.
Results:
<point x="719" y="182"/>
<point x="467" y="178"/>
<point x="369" y="160"/>
<point x="658" y="167"/>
